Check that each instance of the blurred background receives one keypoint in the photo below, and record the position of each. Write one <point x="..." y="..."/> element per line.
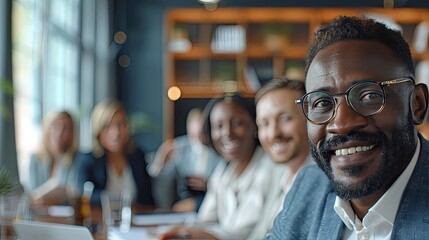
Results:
<point x="160" y="58"/>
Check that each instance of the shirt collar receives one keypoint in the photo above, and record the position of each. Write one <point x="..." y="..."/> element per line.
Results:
<point x="287" y="178"/>
<point x="244" y="178"/>
<point x="387" y="206"/>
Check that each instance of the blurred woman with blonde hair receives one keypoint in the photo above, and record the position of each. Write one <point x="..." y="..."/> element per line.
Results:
<point x="51" y="168"/>
<point x="115" y="163"/>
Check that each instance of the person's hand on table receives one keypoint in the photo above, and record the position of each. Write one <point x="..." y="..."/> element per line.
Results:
<point x="185" y="205"/>
<point x="54" y="196"/>
<point x="185" y="233"/>
<point x="197" y="183"/>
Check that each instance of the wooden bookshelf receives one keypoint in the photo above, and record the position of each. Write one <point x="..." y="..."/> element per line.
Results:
<point x="198" y="71"/>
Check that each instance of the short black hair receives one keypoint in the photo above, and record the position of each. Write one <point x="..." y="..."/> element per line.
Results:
<point x="359" y="28"/>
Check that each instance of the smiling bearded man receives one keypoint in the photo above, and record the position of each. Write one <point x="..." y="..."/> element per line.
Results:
<point x="390" y="149"/>
<point x="361" y="105"/>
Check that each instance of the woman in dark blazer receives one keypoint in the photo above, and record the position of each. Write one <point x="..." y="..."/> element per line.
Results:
<point x="115" y="163"/>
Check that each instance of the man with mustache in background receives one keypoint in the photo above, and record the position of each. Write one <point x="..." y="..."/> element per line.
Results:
<point x="362" y="105"/>
<point x="282" y="133"/>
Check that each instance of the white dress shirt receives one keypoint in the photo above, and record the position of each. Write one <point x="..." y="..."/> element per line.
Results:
<point x="378" y="222"/>
<point x="282" y="178"/>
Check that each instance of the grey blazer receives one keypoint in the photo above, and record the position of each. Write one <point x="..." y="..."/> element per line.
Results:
<point x="308" y="211"/>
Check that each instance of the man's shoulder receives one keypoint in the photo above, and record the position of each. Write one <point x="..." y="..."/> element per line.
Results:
<point x="309" y="188"/>
<point x="313" y="174"/>
<point x="309" y="201"/>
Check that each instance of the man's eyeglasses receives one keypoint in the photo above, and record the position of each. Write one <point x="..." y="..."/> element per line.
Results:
<point x="365" y="98"/>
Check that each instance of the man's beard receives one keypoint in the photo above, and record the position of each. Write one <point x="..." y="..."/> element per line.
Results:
<point x="395" y="155"/>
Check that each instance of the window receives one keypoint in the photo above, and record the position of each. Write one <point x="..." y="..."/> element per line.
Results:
<point x="46" y="67"/>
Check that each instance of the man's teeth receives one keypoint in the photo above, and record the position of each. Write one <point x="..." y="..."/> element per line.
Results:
<point x="347" y="151"/>
<point x="277" y="146"/>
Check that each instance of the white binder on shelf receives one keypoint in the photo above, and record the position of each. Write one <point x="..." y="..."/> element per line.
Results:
<point x="229" y="39"/>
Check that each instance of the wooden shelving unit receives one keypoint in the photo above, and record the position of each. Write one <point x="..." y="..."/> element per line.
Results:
<point x="197" y="71"/>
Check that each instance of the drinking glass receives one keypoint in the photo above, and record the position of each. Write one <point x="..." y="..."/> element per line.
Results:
<point x="13" y="207"/>
<point x="117" y="212"/>
<point x="126" y="212"/>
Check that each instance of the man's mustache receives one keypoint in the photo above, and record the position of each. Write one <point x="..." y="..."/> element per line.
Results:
<point x="326" y="145"/>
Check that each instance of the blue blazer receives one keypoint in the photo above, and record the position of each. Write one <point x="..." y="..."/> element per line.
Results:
<point x="309" y="213"/>
<point x="91" y="168"/>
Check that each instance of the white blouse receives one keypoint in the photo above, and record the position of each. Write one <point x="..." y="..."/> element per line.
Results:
<point x="234" y="203"/>
<point x="117" y="183"/>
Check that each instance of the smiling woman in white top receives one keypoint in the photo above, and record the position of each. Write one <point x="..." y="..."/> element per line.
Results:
<point x="238" y="187"/>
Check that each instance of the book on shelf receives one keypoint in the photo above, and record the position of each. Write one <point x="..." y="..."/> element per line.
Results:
<point x="229" y="39"/>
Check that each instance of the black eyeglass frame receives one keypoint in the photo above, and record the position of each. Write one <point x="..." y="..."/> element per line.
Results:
<point x="346" y="94"/>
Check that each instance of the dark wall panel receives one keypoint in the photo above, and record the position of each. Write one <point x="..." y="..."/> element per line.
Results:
<point x="141" y="84"/>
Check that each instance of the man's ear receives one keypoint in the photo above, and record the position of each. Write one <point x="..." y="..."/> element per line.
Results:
<point x="419" y="103"/>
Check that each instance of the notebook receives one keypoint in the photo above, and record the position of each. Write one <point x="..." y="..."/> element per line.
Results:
<point x="164" y="219"/>
<point x="32" y="230"/>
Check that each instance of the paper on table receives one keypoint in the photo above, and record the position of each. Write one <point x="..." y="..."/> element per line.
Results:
<point x="134" y="233"/>
<point x="164" y="219"/>
<point x="60" y="211"/>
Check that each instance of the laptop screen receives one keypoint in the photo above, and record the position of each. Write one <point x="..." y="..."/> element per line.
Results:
<point x="32" y="230"/>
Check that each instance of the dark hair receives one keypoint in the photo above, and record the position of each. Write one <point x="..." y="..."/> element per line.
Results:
<point x="359" y="28"/>
<point x="280" y="83"/>
<point x="246" y="104"/>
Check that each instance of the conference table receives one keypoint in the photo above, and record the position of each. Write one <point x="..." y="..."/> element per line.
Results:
<point x="146" y="223"/>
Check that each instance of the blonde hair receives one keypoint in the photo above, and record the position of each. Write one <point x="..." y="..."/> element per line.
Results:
<point x="102" y="114"/>
<point x="43" y="152"/>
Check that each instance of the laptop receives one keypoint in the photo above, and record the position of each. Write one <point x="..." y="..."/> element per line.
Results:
<point x="33" y="230"/>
